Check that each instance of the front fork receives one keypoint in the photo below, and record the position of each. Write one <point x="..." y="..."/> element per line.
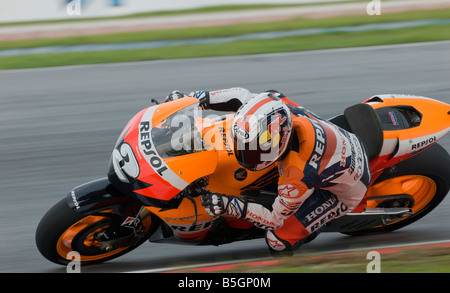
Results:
<point x="128" y="217"/>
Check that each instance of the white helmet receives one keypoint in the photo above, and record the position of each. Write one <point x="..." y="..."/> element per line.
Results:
<point x="261" y="131"/>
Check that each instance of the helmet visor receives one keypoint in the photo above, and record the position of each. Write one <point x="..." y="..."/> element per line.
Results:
<point x="255" y="156"/>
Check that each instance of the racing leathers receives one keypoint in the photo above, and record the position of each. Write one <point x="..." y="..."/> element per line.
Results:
<point x="324" y="175"/>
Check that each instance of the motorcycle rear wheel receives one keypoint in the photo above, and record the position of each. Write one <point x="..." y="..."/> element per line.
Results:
<point x="419" y="183"/>
<point x="62" y="230"/>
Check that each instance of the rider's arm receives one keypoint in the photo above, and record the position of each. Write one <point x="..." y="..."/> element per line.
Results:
<point x="295" y="185"/>
<point x="226" y="99"/>
<point x="292" y="192"/>
<point x="223" y="100"/>
<point x="296" y="182"/>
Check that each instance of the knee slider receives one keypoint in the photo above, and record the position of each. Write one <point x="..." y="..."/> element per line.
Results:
<point x="276" y="243"/>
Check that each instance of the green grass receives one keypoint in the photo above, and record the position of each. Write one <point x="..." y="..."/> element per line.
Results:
<point x="326" y="41"/>
<point x="313" y="42"/>
<point x="206" y="9"/>
<point x="427" y="259"/>
<point x="229" y="30"/>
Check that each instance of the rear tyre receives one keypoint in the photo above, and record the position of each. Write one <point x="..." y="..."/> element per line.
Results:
<point x="63" y="230"/>
<point x="419" y="183"/>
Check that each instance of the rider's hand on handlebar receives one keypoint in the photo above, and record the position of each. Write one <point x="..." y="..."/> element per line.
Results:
<point x="218" y="204"/>
<point x="202" y="96"/>
<point x="175" y="95"/>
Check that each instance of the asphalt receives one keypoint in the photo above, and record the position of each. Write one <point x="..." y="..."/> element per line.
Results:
<point x="58" y="127"/>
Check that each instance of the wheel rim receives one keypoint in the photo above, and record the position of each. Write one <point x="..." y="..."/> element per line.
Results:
<point x="413" y="191"/>
<point x="90" y="226"/>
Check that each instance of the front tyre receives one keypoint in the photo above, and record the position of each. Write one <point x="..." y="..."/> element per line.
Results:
<point x="63" y="230"/>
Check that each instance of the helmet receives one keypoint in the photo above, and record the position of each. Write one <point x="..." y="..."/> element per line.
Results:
<point x="261" y="131"/>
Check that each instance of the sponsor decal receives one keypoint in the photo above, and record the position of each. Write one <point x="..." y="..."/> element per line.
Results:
<point x="322" y="209"/>
<point x="411" y="146"/>
<point x="148" y="151"/>
<point x="319" y="148"/>
<point x="226" y="142"/>
<point x="74" y="199"/>
<point x="240" y="174"/>
<point x="259" y="221"/>
<point x="224" y="91"/>
<point x="288" y="209"/>
<point x="339" y="211"/>
<point x="130" y="222"/>
<point x="168" y="219"/>
<point x="319" y="209"/>
<point x="423" y="143"/>
<point x="288" y="190"/>
<point x="188" y="228"/>
<point x="146" y="148"/>
<point x="344" y="147"/>
<point x="281" y="168"/>
<point x="393" y="118"/>
<point x="235" y="208"/>
<point x="275" y="244"/>
<point x="240" y="132"/>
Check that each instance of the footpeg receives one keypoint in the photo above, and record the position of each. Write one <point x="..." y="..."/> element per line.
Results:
<point x="371" y="217"/>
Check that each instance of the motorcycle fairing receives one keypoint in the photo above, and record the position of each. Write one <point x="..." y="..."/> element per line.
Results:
<point x="137" y="167"/>
<point x="407" y="130"/>
<point x="180" y="216"/>
<point x="92" y="197"/>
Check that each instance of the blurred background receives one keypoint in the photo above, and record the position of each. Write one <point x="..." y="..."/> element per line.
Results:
<point x="72" y="73"/>
<point x="30" y="10"/>
<point x="68" y="32"/>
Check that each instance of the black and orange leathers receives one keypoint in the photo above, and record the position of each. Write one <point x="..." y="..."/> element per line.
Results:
<point x="324" y="176"/>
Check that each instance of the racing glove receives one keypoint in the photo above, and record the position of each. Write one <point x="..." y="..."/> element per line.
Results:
<point x="217" y="204"/>
<point x="220" y="100"/>
<point x="174" y="95"/>
<point x="202" y="96"/>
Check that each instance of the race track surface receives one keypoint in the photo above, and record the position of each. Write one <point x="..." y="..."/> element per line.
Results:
<point x="58" y="127"/>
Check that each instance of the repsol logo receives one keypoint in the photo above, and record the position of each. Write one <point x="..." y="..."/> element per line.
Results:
<point x="423" y="143"/>
<point x="319" y="215"/>
<point x="226" y="142"/>
<point x="74" y="199"/>
<point x="335" y="213"/>
<point x="191" y="228"/>
<point x="146" y="147"/>
<point x="319" y="148"/>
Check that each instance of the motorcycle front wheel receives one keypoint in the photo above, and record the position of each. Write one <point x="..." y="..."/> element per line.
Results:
<point x="62" y="231"/>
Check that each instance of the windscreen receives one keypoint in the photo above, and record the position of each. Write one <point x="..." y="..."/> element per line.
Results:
<point x="178" y="134"/>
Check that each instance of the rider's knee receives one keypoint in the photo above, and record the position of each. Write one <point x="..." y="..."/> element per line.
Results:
<point x="279" y="246"/>
<point x="276" y="243"/>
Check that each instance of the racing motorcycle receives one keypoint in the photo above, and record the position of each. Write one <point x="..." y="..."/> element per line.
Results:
<point x="168" y="155"/>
